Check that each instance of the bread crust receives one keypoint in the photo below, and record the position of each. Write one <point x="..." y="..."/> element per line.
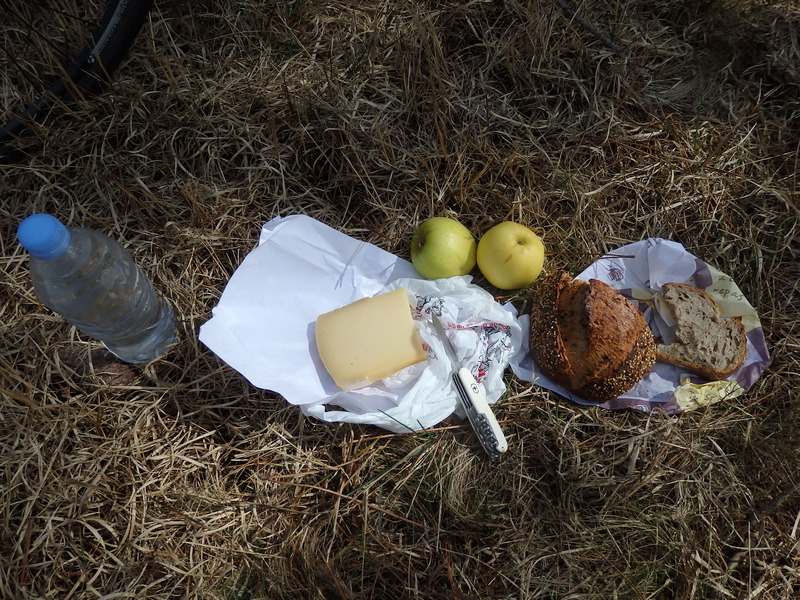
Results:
<point x="545" y="338"/>
<point x="734" y="322"/>
<point x="588" y="338"/>
<point x="615" y="326"/>
<point x="629" y="372"/>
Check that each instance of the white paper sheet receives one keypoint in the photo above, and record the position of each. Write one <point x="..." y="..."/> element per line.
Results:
<point x="263" y="326"/>
<point x="300" y="269"/>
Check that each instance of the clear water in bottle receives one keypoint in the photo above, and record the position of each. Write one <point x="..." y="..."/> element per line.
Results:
<point x="92" y="281"/>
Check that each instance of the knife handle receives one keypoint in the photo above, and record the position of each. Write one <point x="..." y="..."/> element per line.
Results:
<point x="473" y="397"/>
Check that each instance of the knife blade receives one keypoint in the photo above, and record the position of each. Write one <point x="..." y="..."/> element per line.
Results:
<point x="473" y="400"/>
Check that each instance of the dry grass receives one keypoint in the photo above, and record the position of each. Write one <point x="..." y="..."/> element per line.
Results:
<point x="182" y="481"/>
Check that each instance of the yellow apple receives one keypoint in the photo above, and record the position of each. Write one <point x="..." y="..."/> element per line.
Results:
<point x="510" y="256"/>
<point x="442" y="247"/>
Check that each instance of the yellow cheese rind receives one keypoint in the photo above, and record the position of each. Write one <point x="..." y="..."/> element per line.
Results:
<point x="370" y="339"/>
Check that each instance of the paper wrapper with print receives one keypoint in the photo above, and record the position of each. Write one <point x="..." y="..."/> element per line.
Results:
<point x="638" y="271"/>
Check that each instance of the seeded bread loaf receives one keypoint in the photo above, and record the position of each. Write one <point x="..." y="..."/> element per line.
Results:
<point x="704" y="343"/>
<point x="587" y="337"/>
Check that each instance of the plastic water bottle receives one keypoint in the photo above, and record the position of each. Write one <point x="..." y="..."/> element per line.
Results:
<point x="92" y="281"/>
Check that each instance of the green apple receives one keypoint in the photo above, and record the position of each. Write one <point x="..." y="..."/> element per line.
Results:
<point x="442" y="247"/>
<point x="510" y="256"/>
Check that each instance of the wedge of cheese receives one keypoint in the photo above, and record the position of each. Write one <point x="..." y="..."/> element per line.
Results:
<point x="370" y="339"/>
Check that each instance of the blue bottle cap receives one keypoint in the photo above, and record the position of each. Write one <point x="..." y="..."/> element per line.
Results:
<point x="43" y="236"/>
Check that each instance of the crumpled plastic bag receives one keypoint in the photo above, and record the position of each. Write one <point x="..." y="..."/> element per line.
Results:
<point x="263" y="326"/>
<point x="484" y="334"/>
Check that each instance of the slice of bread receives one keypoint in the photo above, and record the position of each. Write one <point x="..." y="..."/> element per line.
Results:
<point x="704" y="343"/>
